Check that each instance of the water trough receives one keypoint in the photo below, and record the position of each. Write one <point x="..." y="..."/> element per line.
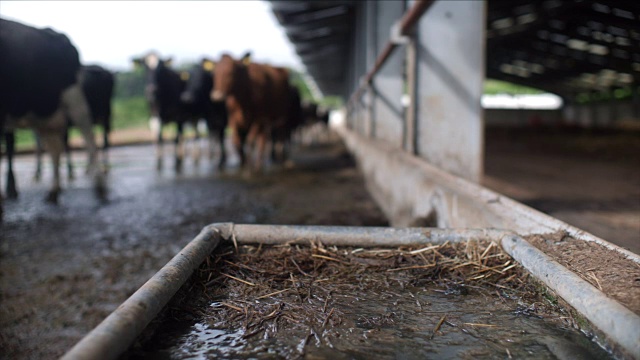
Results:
<point x="120" y="329"/>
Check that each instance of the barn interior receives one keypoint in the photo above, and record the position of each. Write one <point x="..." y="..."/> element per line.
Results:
<point x="418" y="149"/>
<point x="576" y="162"/>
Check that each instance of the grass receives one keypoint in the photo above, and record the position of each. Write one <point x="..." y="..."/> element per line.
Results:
<point x="493" y="87"/>
<point x="128" y="113"/>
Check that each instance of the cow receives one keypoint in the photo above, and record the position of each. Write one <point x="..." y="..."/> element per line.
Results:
<point x="315" y="124"/>
<point x="163" y="90"/>
<point x="97" y="85"/>
<point x="197" y="104"/>
<point x="281" y="136"/>
<point x="257" y="100"/>
<point x="39" y="71"/>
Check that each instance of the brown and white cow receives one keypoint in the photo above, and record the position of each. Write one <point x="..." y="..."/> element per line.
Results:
<point x="257" y="98"/>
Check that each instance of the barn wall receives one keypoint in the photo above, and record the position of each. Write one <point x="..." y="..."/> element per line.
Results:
<point x="521" y="117"/>
<point x="441" y="69"/>
<point x="603" y="114"/>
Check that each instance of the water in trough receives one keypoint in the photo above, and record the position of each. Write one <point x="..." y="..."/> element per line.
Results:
<point x="451" y="301"/>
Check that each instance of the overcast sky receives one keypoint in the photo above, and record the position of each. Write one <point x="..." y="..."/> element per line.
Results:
<point x="110" y="33"/>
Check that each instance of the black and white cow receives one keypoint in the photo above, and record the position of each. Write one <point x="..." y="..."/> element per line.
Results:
<point x="97" y="86"/>
<point x="39" y="89"/>
<point x="163" y="90"/>
<point x="197" y="105"/>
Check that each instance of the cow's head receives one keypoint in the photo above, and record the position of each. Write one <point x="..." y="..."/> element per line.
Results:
<point x="153" y="66"/>
<point x="226" y="74"/>
<point x="199" y="82"/>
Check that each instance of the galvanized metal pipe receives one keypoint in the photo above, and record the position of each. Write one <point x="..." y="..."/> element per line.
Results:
<point x="413" y="15"/>
<point x="119" y="330"/>
<point x="620" y="324"/>
<point x="407" y="22"/>
<point x="356" y="236"/>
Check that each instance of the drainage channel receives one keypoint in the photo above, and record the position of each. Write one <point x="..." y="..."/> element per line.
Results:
<point x="115" y="335"/>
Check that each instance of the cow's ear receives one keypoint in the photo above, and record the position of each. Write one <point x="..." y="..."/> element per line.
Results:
<point x="208" y="65"/>
<point x="168" y="61"/>
<point x="184" y="75"/>
<point x="246" y="58"/>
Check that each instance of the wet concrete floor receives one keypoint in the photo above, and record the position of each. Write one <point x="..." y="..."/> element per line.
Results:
<point x="65" y="267"/>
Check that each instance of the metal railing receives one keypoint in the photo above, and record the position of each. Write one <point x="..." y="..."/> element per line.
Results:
<point x="407" y="23"/>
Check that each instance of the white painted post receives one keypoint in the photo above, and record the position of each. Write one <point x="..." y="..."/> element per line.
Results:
<point x="450" y="73"/>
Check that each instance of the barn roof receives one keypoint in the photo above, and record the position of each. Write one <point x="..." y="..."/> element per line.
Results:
<point x="562" y="46"/>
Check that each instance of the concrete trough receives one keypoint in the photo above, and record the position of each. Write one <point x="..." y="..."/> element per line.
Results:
<point x="120" y="329"/>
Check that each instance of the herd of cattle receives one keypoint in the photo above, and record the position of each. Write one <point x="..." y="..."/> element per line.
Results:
<point x="43" y="86"/>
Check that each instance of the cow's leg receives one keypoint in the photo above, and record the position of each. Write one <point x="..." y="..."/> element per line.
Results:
<point x="106" y="126"/>
<point x="53" y="143"/>
<point x="1" y="137"/>
<point x="261" y="137"/>
<point x="252" y="140"/>
<point x="196" y="144"/>
<point x="278" y="145"/>
<point x="179" y="146"/>
<point x="239" y="139"/>
<point x="223" y="152"/>
<point x="286" y="147"/>
<point x="156" y="130"/>
<point x="211" y="146"/>
<point x="274" y="147"/>
<point x="77" y="109"/>
<point x="212" y="133"/>
<point x="12" y="192"/>
<point x="38" y="174"/>
<point x="67" y="151"/>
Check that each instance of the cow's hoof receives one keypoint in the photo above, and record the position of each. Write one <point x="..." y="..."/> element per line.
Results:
<point x="12" y="194"/>
<point x="101" y="193"/>
<point x="52" y="197"/>
<point x="178" y="165"/>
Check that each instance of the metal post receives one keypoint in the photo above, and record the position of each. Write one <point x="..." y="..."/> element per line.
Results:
<point x="388" y="84"/>
<point x="372" y="49"/>
<point x="636" y="102"/>
<point x="410" y="142"/>
<point x="613" y="112"/>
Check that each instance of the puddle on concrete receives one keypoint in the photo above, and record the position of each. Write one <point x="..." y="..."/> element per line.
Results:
<point x="452" y="301"/>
